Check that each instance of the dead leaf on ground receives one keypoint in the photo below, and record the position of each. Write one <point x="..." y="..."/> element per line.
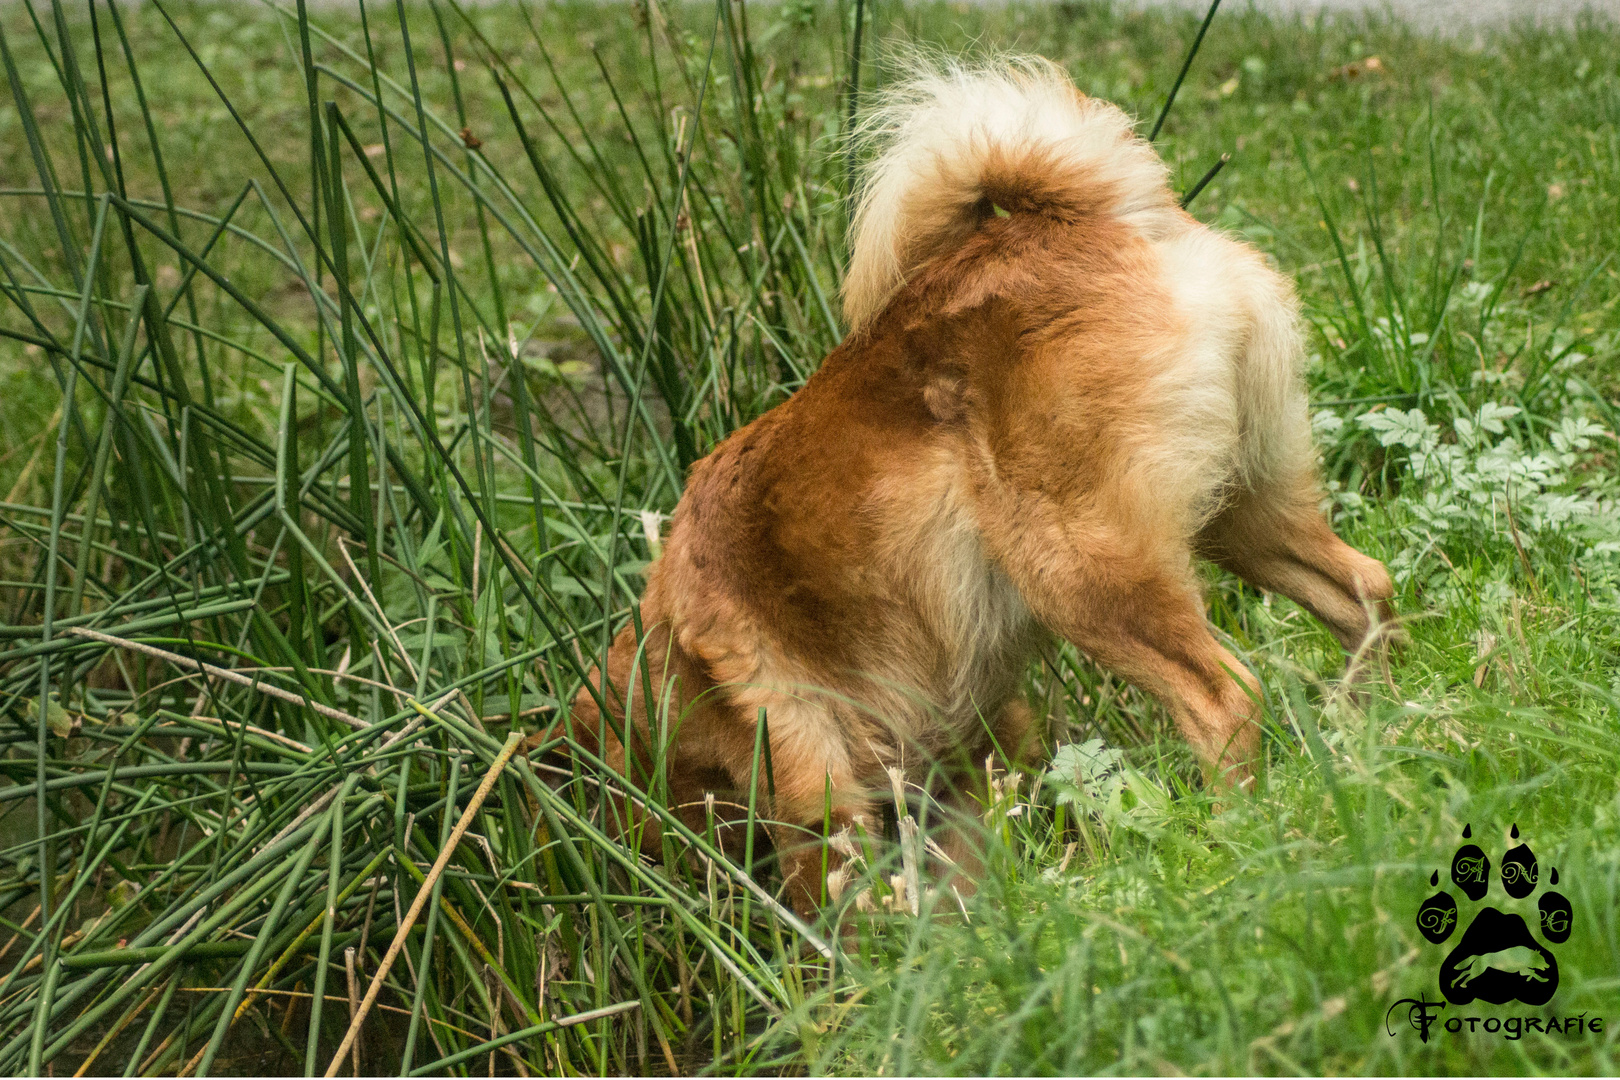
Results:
<point x="1370" y="65"/>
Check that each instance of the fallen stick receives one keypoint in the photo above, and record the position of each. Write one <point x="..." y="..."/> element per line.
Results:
<point x="513" y="741"/>
<point x="220" y="673"/>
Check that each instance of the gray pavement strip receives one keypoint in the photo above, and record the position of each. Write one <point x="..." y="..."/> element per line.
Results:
<point x="1434" y="15"/>
<point x="1445" y="16"/>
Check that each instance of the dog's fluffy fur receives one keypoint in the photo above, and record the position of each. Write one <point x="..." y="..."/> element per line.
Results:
<point x="1040" y="417"/>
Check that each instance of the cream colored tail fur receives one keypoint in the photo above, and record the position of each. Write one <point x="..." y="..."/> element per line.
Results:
<point x="947" y="137"/>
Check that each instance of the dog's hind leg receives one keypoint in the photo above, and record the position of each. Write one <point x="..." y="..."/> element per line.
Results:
<point x="1270" y="531"/>
<point x="1130" y="604"/>
<point x="1279" y="541"/>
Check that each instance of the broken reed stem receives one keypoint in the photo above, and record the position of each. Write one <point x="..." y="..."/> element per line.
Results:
<point x="1203" y="181"/>
<point x="220" y="673"/>
<point x="354" y="1008"/>
<point x="513" y="741"/>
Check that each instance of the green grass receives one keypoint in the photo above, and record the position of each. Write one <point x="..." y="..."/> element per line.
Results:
<point x="369" y="412"/>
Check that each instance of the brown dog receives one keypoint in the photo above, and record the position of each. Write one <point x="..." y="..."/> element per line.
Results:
<point x="1059" y="388"/>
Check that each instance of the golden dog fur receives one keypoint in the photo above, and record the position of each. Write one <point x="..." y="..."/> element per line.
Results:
<point x="1040" y="417"/>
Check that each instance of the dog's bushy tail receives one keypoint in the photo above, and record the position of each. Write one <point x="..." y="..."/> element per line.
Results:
<point x="950" y="141"/>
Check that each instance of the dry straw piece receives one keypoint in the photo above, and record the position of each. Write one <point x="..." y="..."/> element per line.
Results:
<point x="513" y="741"/>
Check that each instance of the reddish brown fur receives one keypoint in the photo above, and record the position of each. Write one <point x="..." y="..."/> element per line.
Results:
<point x="875" y="560"/>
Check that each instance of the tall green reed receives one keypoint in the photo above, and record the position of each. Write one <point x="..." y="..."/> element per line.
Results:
<point x="258" y="660"/>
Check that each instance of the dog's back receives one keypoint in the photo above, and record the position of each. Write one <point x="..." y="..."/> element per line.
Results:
<point x="1058" y="386"/>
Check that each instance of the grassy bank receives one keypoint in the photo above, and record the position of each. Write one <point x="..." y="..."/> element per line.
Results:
<point x="347" y="361"/>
